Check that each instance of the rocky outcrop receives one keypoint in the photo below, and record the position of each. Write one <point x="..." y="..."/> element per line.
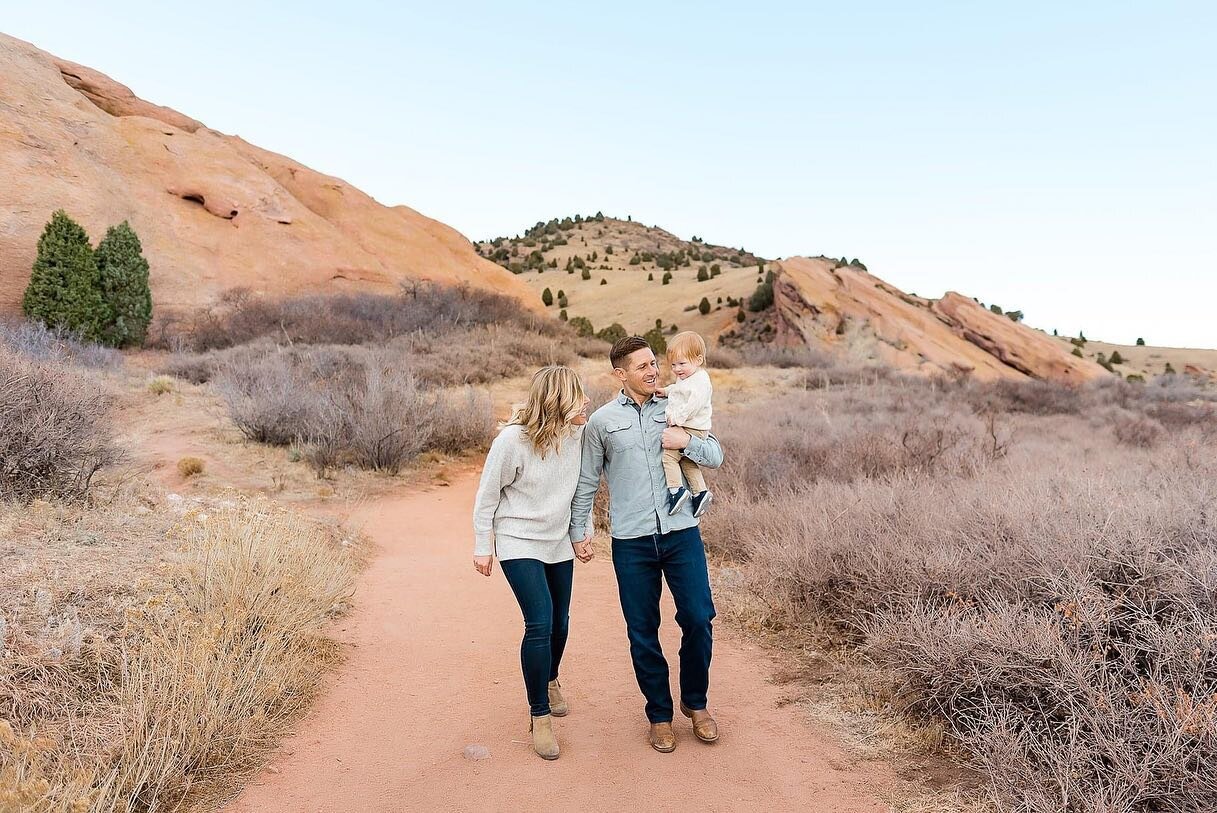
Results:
<point x="856" y="313"/>
<point x="213" y="211"/>
<point x="1014" y="344"/>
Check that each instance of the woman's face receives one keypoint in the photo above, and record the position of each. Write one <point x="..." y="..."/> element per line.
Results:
<point x="581" y="418"/>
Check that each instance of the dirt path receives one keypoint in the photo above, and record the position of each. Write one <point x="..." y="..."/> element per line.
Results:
<point x="434" y="667"/>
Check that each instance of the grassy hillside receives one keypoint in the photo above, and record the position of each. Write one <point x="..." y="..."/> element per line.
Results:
<point x="613" y="271"/>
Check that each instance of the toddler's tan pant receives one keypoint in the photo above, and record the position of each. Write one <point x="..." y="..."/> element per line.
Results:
<point x="675" y="464"/>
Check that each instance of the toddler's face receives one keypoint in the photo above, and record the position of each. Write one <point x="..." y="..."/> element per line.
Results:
<point x="683" y="368"/>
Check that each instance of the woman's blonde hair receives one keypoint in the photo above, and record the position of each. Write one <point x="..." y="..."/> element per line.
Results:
<point x="687" y="346"/>
<point x="555" y="398"/>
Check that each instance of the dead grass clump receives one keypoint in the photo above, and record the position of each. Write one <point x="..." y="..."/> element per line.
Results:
<point x="190" y="466"/>
<point x="160" y="385"/>
<point x="54" y="429"/>
<point x="189" y="680"/>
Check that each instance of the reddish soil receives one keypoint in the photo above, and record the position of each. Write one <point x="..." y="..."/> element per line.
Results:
<point x="434" y="667"/>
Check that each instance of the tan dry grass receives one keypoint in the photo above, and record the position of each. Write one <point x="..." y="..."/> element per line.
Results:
<point x="169" y="688"/>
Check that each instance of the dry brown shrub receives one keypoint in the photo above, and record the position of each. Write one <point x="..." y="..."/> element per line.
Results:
<point x="1136" y="430"/>
<point x="55" y="430"/>
<point x="160" y="385"/>
<point x="190" y="466"/>
<point x="154" y="691"/>
<point x="351" y="405"/>
<point x="1052" y="605"/>
<point x="348" y="319"/>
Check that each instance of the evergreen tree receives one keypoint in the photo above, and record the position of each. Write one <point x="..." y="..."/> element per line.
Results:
<point x="547" y="297"/>
<point x="656" y="340"/>
<point x="762" y="298"/>
<point x="613" y="333"/>
<point x="586" y="274"/>
<point x="739" y="315"/>
<point x="1140" y="342"/>
<point x="562" y="315"/>
<point x="582" y="326"/>
<point x="703" y="275"/>
<point x="64" y="289"/>
<point x="703" y="307"/>
<point x="123" y="273"/>
<point x="1116" y="358"/>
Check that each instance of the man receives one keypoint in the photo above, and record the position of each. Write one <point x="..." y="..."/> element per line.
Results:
<point x="624" y="441"/>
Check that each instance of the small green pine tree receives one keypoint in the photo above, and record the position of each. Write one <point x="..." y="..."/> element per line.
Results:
<point x="547" y="297"/>
<point x="1140" y="342"/>
<point x="562" y="315"/>
<point x="603" y="281"/>
<point x="1116" y="358"/>
<point x="64" y="289"/>
<point x="650" y="277"/>
<point x="586" y="274"/>
<point x="582" y="326"/>
<point x="667" y="277"/>
<point x="123" y="274"/>
<point x="762" y="298"/>
<point x="739" y="315"/>
<point x="656" y="339"/>
<point x="613" y="333"/>
<point x="703" y="307"/>
<point x="703" y="275"/>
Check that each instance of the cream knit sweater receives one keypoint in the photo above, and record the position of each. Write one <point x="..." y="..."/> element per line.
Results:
<point x="522" y="508"/>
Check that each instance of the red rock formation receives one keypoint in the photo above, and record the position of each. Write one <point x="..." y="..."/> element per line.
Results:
<point x="1017" y="345"/>
<point x="860" y="315"/>
<point x="213" y="211"/>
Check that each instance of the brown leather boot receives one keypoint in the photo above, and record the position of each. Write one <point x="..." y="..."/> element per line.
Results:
<point x="704" y="727"/>
<point x="663" y="738"/>
<point x="557" y="703"/>
<point x="543" y="740"/>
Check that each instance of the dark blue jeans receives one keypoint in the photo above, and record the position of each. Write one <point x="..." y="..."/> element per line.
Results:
<point x="543" y="592"/>
<point x="640" y="563"/>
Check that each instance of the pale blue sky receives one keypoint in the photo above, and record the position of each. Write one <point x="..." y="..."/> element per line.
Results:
<point x="1055" y="157"/>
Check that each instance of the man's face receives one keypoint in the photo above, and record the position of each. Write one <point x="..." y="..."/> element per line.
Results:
<point x="640" y="375"/>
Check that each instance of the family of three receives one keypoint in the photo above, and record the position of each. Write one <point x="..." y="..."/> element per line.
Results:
<point x="533" y="512"/>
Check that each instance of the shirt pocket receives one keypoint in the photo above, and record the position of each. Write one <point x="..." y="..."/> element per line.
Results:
<point x="619" y="437"/>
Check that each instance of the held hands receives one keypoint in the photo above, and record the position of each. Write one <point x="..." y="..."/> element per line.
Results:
<point x="662" y="392"/>
<point x="483" y="564"/>
<point x="583" y="550"/>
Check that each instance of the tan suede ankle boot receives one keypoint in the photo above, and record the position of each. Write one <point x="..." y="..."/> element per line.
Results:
<point x="543" y="740"/>
<point x="557" y="703"/>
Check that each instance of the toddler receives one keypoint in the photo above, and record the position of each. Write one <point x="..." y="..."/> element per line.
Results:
<point x="688" y="408"/>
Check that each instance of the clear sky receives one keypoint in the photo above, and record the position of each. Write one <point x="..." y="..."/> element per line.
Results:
<point x="1055" y="157"/>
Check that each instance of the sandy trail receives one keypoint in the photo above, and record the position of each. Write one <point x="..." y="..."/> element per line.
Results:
<point x="434" y="667"/>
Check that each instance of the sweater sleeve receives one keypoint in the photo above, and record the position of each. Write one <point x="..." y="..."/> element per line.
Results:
<point x="501" y="469"/>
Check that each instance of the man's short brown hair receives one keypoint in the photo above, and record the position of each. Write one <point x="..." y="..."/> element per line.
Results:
<point x="624" y="348"/>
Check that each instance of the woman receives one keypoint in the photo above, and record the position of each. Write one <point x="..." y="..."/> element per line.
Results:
<point x="522" y="515"/>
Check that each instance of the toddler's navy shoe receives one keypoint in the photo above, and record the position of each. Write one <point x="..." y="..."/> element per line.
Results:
<point x="701" y="502"/>
<point x="677" y="500"/>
